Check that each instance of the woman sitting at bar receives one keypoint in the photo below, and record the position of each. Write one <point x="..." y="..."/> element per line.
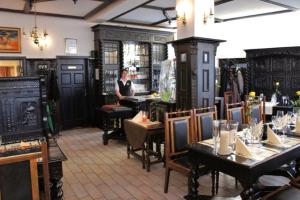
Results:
<point x="124" y="87"/>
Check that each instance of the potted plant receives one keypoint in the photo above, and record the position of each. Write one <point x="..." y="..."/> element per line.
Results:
<point x="296" y="103"/>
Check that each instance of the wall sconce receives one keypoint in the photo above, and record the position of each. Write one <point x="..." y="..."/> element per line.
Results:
<point x="206" y="17"/>
<point x="181" y="9"/>
<point x="181" y="17"/>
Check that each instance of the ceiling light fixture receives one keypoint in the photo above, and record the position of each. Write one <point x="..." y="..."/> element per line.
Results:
<point x="40" y="39"/>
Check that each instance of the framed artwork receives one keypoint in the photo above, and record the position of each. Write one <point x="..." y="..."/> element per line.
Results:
<point x="183" y="57"/>
<point x="206" y="57"/>
<point x="10" y="40"/>
<point x="70" y="46"/>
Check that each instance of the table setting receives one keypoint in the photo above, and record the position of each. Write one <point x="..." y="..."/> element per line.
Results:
<point x="247" y="154"/>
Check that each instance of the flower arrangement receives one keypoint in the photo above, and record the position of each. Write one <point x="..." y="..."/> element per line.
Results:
<point x="252" y="101"/>
<point x="252" y="94"/>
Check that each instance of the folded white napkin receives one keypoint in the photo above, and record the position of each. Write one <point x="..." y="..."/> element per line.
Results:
<point x="272" y="137"/>
<point x="297" y="132"/>
<point x="257" y="129"/>
<point x="242" y="149"/>
<point x="138" y="117"/>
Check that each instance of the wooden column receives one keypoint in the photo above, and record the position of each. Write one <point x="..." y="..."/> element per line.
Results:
<point x="195" y="71"/>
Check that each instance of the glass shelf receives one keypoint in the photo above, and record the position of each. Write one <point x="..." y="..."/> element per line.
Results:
<point x="137" y="61"/>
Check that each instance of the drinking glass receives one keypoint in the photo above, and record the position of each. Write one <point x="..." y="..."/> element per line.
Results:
<point x="233" y="128"/>
<point x="275" y="123"/>
<point x="224" y="148"/>
<point x="216" y="133"/>
<point x="279" y="114"/>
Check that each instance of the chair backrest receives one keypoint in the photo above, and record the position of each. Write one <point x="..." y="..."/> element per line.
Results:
<point x="257" y="110"/>
<point x="203" y="122"/>
<point x="236" y="112"/>
<point x="179" y="131"/>
<point x="228" y="97"/>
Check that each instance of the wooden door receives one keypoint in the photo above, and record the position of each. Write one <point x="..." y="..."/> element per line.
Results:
<point x="73" y="91"/>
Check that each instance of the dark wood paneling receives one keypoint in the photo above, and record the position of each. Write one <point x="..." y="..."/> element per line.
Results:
<point x="195" y="77"/>
<point x="272" y="65"/>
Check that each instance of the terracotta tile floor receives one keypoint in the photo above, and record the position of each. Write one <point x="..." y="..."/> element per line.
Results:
<point x="94" y="171"/>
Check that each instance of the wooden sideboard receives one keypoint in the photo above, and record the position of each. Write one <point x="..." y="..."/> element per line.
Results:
<point x="268" y="66"/>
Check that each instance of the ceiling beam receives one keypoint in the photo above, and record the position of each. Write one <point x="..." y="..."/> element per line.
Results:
<point x="40" y="13"/>
<point x="130" y="10"/>
<point x="279" y="4"/>
<point x="158" y="8"/>
<point x="141" y="24"/>
<point x="99" y="8"/>
<point x="162" y="21"/>
<point x="222" y="2"/>
<point x="257" y="15"/>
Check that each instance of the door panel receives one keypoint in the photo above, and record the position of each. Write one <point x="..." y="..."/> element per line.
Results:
<point x="72" y="82"/>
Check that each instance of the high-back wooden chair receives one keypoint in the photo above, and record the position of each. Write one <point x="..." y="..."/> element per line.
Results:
<point x="203" y="122"/>
<point x="179" y="132"/>
<point x="257" y="110"/>
<point x="236" y="112"/>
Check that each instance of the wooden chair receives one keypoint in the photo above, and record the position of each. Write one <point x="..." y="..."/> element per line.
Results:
<point x="258" y="111"/>
<point x="203" y="118"/>
<point x="179" y="131"/>
<point x="236" y="112"/>
<point x="203" y="124"/>
<point x="228" y="97"/>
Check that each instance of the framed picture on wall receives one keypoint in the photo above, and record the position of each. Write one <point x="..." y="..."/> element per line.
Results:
<point x="206" y="57"/>
<point x="70" y="46"/>
<point x="10" y="40"/>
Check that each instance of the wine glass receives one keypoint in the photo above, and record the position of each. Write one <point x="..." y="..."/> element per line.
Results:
<point x="279" y="114"/>
<point x="275" y="123"/>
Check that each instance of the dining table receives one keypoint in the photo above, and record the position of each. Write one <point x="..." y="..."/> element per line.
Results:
<point x="265" y="159"/>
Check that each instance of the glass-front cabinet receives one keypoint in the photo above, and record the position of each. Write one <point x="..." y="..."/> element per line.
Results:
<point x="159" y="52"/>
<point x="136" y="61"/>
<point x="111" y="66"/>
<point x="138" y="50"/>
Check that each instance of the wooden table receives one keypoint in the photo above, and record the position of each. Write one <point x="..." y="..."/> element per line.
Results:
<point x="141" y="138"/>
<point x="247" y="171"/>
<point x="111" y="116"/>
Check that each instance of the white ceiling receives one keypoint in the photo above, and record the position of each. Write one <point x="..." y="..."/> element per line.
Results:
<point x="239" y="8"/>
<point x="67" y="7"/>
<point x="145" y="15"/>
<point x="163" y="3"/>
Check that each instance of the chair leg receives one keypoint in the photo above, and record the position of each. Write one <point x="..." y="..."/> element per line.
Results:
<point x="128" y="150"/>
<point x="213" y="182"/>
<point x="167" y="178"/>
<point x="217" y="182"/>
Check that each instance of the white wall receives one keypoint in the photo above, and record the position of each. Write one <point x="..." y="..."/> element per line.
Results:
<point x="58" y="29"/>
<point x="279" y="30"/>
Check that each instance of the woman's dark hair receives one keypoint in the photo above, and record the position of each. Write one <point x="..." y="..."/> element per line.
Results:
<point x="124" y="70"/>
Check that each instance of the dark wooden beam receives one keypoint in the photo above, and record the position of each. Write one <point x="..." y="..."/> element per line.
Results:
<point x="140" y="24"/>
<point x="40" y="13"/>
<point x="279" y="4"/>
<point x="157" y="8"/>
<point x="257" y="15"/>
<point x="162" y="21"/>
<point x="99" y="8"/>
<point x="130" y="10"/>
<point x="222" y="2"/>
<point x="27" y="6"/>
